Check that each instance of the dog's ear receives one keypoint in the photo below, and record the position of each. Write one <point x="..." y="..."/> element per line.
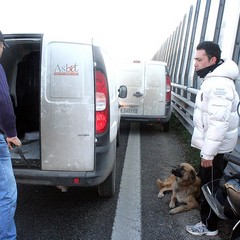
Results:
<point x="193" y="175"/>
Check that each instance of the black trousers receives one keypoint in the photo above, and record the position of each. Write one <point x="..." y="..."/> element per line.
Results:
<point x="208" y="217"/>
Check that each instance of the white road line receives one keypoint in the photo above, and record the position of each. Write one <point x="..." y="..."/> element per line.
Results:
<point x="127" y="222"/>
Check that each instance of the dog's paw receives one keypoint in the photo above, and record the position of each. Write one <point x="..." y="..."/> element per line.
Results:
<point x="172" y="211"/>
<point x="172" y="204"/>
<point x="160" y="195"/>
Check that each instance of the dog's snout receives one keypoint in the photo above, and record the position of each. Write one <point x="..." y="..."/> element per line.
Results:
<point x="177" y="172"/>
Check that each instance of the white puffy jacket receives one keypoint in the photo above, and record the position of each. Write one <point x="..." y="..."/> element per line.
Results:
<point x="215" y="114"/>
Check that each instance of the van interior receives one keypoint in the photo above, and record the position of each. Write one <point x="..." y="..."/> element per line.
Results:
<point x="21" y="62"/>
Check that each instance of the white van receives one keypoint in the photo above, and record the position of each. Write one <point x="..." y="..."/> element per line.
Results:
<point x="149" y="92"/>
<point x="67" y="111"/>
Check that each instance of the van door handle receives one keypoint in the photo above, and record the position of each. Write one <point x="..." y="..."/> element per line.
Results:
<point x="137" y="94"/>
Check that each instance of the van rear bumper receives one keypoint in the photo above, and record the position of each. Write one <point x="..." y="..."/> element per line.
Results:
<point x="148" y="118"/>
<point x="105" y="158"/>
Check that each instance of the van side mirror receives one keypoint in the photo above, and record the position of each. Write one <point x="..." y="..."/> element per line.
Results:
<point x="122" y="91"/>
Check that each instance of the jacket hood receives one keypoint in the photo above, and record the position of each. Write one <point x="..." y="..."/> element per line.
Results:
<point x="228" y="69"/>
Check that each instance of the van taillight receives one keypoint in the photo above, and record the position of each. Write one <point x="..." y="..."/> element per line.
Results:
<point x="102" y="99"/>
<point x="168" y="88"/>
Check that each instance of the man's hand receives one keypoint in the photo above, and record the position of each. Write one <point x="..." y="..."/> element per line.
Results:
<point x="13" y="141"/>
<point x="206" y="163"/>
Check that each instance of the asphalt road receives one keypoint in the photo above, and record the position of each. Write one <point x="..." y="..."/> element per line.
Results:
<point x="80" y="214"/>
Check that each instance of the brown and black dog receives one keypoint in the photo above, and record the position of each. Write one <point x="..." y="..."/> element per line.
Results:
<point x="185" y="186"/>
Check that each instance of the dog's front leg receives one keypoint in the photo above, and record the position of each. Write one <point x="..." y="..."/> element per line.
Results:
<point x="172" y="203"/>
<point x="177" y="209"/>
<point x="186" y="207"/>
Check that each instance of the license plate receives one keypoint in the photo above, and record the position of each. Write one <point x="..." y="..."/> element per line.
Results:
<point x="129" y="110"/>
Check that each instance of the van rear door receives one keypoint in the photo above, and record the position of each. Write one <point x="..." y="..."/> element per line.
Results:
<point x="155" y="89"/>
<point x="132" y="75"/>
<point x="67" y="107"/>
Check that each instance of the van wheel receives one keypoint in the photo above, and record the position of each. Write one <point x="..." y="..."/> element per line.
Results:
<point x="166" y="127"/>
<point x="107" y="188"/>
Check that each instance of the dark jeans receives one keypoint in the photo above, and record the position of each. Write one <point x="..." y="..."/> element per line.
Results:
<point x="208" y="217"/>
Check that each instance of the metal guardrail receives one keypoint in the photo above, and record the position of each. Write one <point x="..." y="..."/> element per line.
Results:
<point x="182" y="104"/>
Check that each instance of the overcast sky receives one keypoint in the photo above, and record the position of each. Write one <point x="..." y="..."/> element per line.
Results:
<point x="130" y="29"/>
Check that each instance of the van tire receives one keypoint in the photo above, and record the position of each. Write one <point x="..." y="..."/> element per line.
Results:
<point x="166" y="127"/>
<point x="107" y="188"/>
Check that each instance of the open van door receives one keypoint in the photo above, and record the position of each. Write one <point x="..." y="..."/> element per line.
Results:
<point x="67" y="107"/>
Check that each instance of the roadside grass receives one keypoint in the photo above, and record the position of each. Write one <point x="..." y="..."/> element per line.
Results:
<point x="192" y="154"/>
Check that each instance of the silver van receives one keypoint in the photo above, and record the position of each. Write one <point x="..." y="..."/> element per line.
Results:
<point x="149" y="92"/>
<point x="67" y="111"/>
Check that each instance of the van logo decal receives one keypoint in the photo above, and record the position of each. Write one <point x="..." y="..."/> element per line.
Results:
<point x="66" y="70"/>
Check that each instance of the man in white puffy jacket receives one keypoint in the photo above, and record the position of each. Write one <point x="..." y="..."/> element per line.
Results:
<point x="215" y="123"/>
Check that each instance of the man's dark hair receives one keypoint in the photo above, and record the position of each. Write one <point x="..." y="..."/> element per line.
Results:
<point x="212" y="49"/>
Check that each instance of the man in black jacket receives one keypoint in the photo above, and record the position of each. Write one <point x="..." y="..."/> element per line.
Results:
<point x="8" y="136"/>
